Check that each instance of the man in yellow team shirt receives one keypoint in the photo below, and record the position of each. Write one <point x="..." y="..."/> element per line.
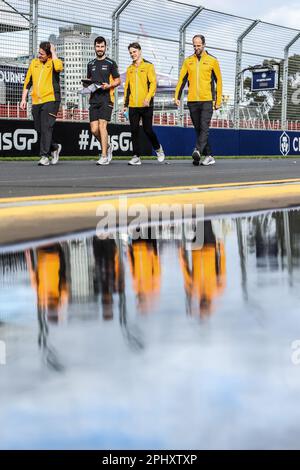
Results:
<point x="139" y="91"/>
<point x="203" y="74"/>
<point x="43" y="78"/>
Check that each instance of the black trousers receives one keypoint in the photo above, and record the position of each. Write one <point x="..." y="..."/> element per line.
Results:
<point x="201" y="114"/>
<point x="44" y="116"/>
<point x="135" y="115"/>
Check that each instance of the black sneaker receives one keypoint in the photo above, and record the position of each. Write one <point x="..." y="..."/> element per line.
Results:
<point x="196" y="157"/>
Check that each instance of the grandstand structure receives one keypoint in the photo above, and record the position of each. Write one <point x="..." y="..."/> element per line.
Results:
<point x="165" y="29"/>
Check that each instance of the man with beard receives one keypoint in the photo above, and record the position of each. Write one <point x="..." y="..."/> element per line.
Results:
<point x="202" y="73"/>
<point x="103" y="73"/>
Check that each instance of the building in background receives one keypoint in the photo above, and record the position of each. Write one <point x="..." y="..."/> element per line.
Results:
<point x="75" y="46"/>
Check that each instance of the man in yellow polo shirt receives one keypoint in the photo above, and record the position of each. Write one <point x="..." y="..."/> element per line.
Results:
<point x="43" y="78"/>
<point x="139" y="91"/>
<point x="202" y="72"/>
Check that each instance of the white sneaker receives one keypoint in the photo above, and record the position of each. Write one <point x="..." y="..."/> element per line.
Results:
<point x="109" y="153"/>
<point x="55" y="155"/>
<point x="44" y="161"/>
<point x="160" y="154"/>
<point x="103" y="161"/>
<point x="135" y="161"/>
<point x="208" y="161"/>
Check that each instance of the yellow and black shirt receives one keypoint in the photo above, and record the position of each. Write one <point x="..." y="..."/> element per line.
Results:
<point x="140" y="84"/>
<point x="204" y="79"/>
<point x="44" y="80"/>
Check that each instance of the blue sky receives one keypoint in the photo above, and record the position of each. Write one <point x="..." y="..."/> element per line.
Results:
<point x="273" y="11"/>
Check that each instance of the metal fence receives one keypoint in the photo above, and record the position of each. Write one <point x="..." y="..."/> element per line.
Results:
<point x="165" y="29"/>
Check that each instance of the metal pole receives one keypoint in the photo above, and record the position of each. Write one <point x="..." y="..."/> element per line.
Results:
<point x="182" y="41"/>
<point x="33" y="24"/>
<point x="115" y="47"/>
<point x="31" y="27"/>
<point x="32" y="46"/>
<point x="238" y="77"/>
<point x="285" y="81"/>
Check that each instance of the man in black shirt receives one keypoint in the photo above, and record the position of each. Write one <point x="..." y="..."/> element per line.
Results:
<point x="104" y="74"/>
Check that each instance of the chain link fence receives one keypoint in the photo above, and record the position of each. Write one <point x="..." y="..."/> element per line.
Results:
<point x="165" y="29"/>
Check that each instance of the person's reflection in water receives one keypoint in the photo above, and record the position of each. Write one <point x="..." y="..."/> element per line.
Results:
<point x="145" y="269"/>
<point x="204" y="273"/>
<point x="108" y="276"/>
<point x="109" y="283"/>
<point x="47" y="269"/>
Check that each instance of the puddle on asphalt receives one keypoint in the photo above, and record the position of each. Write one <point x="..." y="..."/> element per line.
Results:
<point x="128" y="344"/>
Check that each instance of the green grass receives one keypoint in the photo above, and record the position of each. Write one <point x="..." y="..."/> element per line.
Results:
<point x="94" y="158"/>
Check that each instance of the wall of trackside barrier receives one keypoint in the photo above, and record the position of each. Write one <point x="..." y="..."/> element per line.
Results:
<point x="231" y="142"/>
<point x="18" y="138"/>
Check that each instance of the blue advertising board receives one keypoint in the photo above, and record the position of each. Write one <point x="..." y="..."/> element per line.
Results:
<point x="264" y="79"/>
<point x="230" y="142"/>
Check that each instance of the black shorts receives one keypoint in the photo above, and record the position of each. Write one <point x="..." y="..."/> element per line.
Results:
<point x="101" y="110"/>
